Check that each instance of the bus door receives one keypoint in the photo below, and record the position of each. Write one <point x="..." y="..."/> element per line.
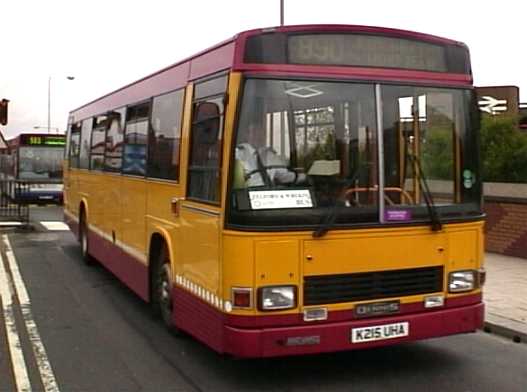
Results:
<point x="200" y="212"/>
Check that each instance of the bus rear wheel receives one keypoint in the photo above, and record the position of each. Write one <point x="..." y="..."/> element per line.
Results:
<point x="162" y="293"/>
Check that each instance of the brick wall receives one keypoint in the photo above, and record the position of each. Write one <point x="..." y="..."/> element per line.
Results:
<point x="506" y="226"/>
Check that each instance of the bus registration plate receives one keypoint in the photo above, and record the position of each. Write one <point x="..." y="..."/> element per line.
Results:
<point x="380" y="332"/>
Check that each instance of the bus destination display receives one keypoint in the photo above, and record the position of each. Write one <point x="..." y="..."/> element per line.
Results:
<point x="366" y="51"/>
<point x="42" y="140"/>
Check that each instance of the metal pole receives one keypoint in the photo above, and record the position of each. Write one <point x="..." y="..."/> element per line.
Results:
<point x="281" y="12"/>
<point x="49" y="104"/>
<point x="380" y="150"/>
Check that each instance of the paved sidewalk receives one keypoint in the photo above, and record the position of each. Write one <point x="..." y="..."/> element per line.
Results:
<point x="505" y="296"/>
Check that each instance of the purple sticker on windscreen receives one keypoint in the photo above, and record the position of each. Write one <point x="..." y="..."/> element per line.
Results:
<point x="397" y="215"/>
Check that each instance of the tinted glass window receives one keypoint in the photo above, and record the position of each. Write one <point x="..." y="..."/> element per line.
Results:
<point x="306" y="154"/>
<point x="210" y="87"/>
<point x="165" y="136"/>
<point x="134" y="158"/>
<point x="74" y="144"/>
<point x="97" y="142"/>
<point x="424" y="131"/>
<point x="205" y="154"/>
<point x="84" y="157"/>
<point x="114" y="140"/>
<point x="68" y="138"/>
<point x="40" y="163"/>
<point x="304" y="149"/>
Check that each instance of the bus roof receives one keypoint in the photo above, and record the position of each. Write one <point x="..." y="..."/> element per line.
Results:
<point x="225" y="55"/>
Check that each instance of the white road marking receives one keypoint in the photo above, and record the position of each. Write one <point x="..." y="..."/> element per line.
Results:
<point x="55" y="225"/>
<point x="44" y="366"/>
<point x="15" y="349"/>
<point x="7" y="223"/>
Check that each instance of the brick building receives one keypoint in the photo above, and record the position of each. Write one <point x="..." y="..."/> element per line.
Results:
<point x="505" y="203"/>
<point x="506" y="224"/>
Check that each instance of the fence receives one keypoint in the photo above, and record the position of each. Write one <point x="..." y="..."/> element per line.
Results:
<point x="12" y="208"/>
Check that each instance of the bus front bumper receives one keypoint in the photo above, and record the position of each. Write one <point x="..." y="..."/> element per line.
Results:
<point x="337" y="336"/>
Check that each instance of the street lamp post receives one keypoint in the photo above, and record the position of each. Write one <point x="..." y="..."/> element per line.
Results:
<point x="49" y="101"/>
<point x="49" y="104"/>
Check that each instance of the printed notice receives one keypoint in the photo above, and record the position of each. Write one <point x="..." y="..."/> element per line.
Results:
<point x="264" y="200"/>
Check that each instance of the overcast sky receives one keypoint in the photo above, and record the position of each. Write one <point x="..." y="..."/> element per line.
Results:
<point x="106" y="44"/>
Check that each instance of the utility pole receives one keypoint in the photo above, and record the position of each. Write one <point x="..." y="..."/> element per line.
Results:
<point x="49" y="100"/>
<point x="49" y="104"/>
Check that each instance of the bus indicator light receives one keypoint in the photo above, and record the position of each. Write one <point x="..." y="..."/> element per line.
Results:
<point x="482" y="277"/>
<point x="241" y="297"/>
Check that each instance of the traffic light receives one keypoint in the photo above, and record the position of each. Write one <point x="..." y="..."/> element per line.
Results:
<point x="3" y="111"/>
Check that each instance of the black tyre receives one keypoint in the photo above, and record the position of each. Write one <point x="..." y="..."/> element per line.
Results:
<point x="162" y="290"/>
<point x="83" y="239"/>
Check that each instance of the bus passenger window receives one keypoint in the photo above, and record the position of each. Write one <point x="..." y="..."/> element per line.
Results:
<point x="165" y="136"/>
<point x="134" y="157"/>
<point x="84" y="155"/>
<point x="97" y="142"/>
<point x="75" y="139"/>
<point x="114" y="140"/>
<point x="204" y="168"/>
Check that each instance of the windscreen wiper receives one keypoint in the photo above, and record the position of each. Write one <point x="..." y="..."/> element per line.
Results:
<point x="435" y="219"/>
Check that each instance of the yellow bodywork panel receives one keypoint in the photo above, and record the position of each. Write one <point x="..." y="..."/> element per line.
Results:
<point x="286" y="271"/>
<point x="255" y="259"/>
<point x="374" y="252"/>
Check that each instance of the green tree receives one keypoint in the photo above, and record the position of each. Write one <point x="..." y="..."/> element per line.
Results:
<point x="503" y="150"/>
<point x="437" y="154"/>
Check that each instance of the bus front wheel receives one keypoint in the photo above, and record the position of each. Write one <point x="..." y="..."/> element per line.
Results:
<point x="83" y="239"/>
<point x="162" y="282"/>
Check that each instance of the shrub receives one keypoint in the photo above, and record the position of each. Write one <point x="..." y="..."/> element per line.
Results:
<point x="503" y="150"/>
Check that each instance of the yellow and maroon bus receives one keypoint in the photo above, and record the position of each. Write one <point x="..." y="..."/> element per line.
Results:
<point x="292" y="190"/>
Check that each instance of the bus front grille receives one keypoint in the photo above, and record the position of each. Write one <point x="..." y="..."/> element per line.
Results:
<point x="330" y="289"/>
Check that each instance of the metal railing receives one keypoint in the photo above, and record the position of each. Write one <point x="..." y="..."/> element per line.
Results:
<point x="12" y="208"/>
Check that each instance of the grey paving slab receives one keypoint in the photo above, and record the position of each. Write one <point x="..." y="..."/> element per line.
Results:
<point x="505" y="295"/>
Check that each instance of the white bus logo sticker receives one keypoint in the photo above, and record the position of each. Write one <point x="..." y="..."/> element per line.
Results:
<point x="263" y="200"/>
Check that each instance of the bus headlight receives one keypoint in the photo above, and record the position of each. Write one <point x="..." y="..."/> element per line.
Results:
<point x="276" y="297"/>
<point x="460" y="281"/>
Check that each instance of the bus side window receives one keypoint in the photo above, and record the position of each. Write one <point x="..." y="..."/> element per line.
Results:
<point x="98" y="142"/>
<point x="75" y="142"/>
<point x="68" y="137"/>
<point x="84" y="155"/>
<point x="204" y="167"/>
<point x="114" y="140"/>
<point x="165" y="136"/>
<point x="135" y="139"/>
